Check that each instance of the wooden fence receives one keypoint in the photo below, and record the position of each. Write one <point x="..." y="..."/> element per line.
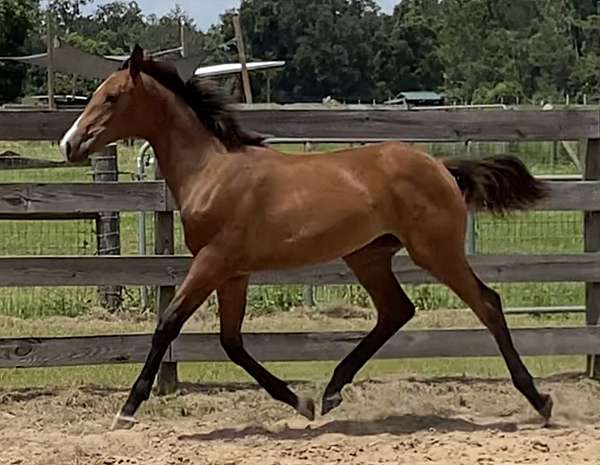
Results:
<point x="103" y="169"/>
<point x="304" y="122"/>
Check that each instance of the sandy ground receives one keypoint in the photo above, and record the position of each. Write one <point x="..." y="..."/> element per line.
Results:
<point x="450" y="421"/>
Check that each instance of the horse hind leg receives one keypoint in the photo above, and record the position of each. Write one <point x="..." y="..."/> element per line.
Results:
<point x="446" y="261"/>
<point x="372" y="267"/>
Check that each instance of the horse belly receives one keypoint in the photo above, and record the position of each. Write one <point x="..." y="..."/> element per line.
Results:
<point x="318" y="235"/>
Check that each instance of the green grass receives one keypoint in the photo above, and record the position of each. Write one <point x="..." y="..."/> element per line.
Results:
<point x="536" y="232"/>
<point x="122" y="376"/>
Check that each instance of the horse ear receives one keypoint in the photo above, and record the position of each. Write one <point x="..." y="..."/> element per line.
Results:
<point x="136" y="60"/>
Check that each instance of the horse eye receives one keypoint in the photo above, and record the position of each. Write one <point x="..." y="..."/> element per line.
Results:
<point x="111" y="99"/>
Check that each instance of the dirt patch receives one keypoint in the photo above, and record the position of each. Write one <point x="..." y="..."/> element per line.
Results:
<point x="451" y="421"/>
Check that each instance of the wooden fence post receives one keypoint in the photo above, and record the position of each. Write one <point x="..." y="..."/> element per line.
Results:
<point x="164" y="244"/>
<point x="471" y="239"/>
<point x="50" y="58"/>
<point x="105" y="169"/>
<point x="308" y="293"/>
<point x="241" y="46"/>
<point x="592" y="244"/>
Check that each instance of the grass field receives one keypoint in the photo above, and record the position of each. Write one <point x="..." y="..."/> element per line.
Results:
<point x="537" y="232"/>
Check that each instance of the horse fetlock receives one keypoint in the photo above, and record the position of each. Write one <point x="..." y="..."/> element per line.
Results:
<point x="546" y="410"/>
<point x="306" y="408"/>
<point x="330" y="402"/>
<point x="121" y="422"/>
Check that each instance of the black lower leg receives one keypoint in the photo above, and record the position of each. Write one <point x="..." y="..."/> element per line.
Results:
<point x="347" y="369"/>
<point x="372" y="267"/>
<point x="232" y="305"/>
<point x="167" y="330"/>
<point x="277" y="388"/>
<point x="520" y="376"/>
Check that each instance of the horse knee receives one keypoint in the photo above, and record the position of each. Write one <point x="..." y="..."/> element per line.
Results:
<point x="396" y="317"/>
<point x="491" y="297"/>
<point x="168" y="328"/>
<point x="233" y="347"/>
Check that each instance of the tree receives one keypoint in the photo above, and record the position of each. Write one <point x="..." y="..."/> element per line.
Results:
<point x="406" y="55"/>
<point x="327" y="45"/>
<point x="475" y="50"/>
<point x="66" y="12"/>
<point x="551" y="52"/>
<point x="16" y="20"/>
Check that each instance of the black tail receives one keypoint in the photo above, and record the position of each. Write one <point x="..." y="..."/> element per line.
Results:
<point x="498" y="184"/>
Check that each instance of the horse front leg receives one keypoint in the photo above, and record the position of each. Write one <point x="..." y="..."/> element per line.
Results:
<point x="232" y="306"/>
<point x="206" y="273"/>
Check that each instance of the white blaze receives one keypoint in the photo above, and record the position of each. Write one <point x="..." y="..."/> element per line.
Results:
<point x="68" y="136"/>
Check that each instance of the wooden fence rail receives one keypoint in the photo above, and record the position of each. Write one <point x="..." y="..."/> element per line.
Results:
<point x="165" y="270"/>
<point x="79" y="197"/>
<point x="357" y="122"/>
<point x="150" y="196"/>
<point x="274" y="347"/>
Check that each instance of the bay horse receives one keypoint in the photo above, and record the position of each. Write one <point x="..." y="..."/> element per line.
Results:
<point x="246" y="207"/>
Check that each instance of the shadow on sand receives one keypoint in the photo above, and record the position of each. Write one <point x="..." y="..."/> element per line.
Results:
<point x="398" y="425"/>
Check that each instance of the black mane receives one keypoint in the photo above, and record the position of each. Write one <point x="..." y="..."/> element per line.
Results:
<point x="211" y="105"/>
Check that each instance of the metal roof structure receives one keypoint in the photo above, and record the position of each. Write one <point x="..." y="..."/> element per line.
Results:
<point x="421" y="95"/>
<point x="416" y="96"/>
<point x="234" y="68"/>
<point x="69" y="59"/>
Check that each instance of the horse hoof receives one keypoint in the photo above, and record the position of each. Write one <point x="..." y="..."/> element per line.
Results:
<point x="306" y="408"/>
<point x="330" y="402"/>
<point x="122" y="422"/>
<point x="546" y="410"/>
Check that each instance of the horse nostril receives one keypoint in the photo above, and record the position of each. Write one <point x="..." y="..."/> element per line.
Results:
<point x="68" y="149"/>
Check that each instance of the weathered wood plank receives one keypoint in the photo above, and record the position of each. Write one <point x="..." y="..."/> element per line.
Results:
<point x="430" y="343"/>
<point x="430" y="125"/>
<point x="108" y="223"/>
<point x="358" y="122"/>
<point x="13" y="161"/>
<point x="48" y="216"/>
<point x="73" y="198"/>
<point x="571" y="196"/>
<point x="35" y="125"/>
<point x="591" y="236"/>
<point x="491" y="268"/>
<point x="30" y="352"/>
<point x="82" y="197"/>
<point x="170" y="270"/>
<point x="87" y="350"/>
<point x="164" y="244"/>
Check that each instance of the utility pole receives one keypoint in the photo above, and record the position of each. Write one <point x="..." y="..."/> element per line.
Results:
<point x="242" y="56"/>
<point x="50" y="57"/>
<point x="182" y="36"/>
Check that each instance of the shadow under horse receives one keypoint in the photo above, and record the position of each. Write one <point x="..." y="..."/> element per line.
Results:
<point x="246" y="207"/>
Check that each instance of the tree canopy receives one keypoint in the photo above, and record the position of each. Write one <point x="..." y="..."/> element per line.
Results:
<point x="474" y="50"/>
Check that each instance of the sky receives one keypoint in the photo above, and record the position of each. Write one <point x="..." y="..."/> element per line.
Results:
<point x="205" y="12"/>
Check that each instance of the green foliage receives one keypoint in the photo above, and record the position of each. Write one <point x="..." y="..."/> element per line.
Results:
<point x="16" y="21"/>
<point x="475" y="50"/>
<point x="406" y="55"/>
<point x="268" y="299"/>
<point x="327" y="45"/>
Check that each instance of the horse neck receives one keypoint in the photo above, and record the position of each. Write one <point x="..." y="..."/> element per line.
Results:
<point x="182" y="145"/>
